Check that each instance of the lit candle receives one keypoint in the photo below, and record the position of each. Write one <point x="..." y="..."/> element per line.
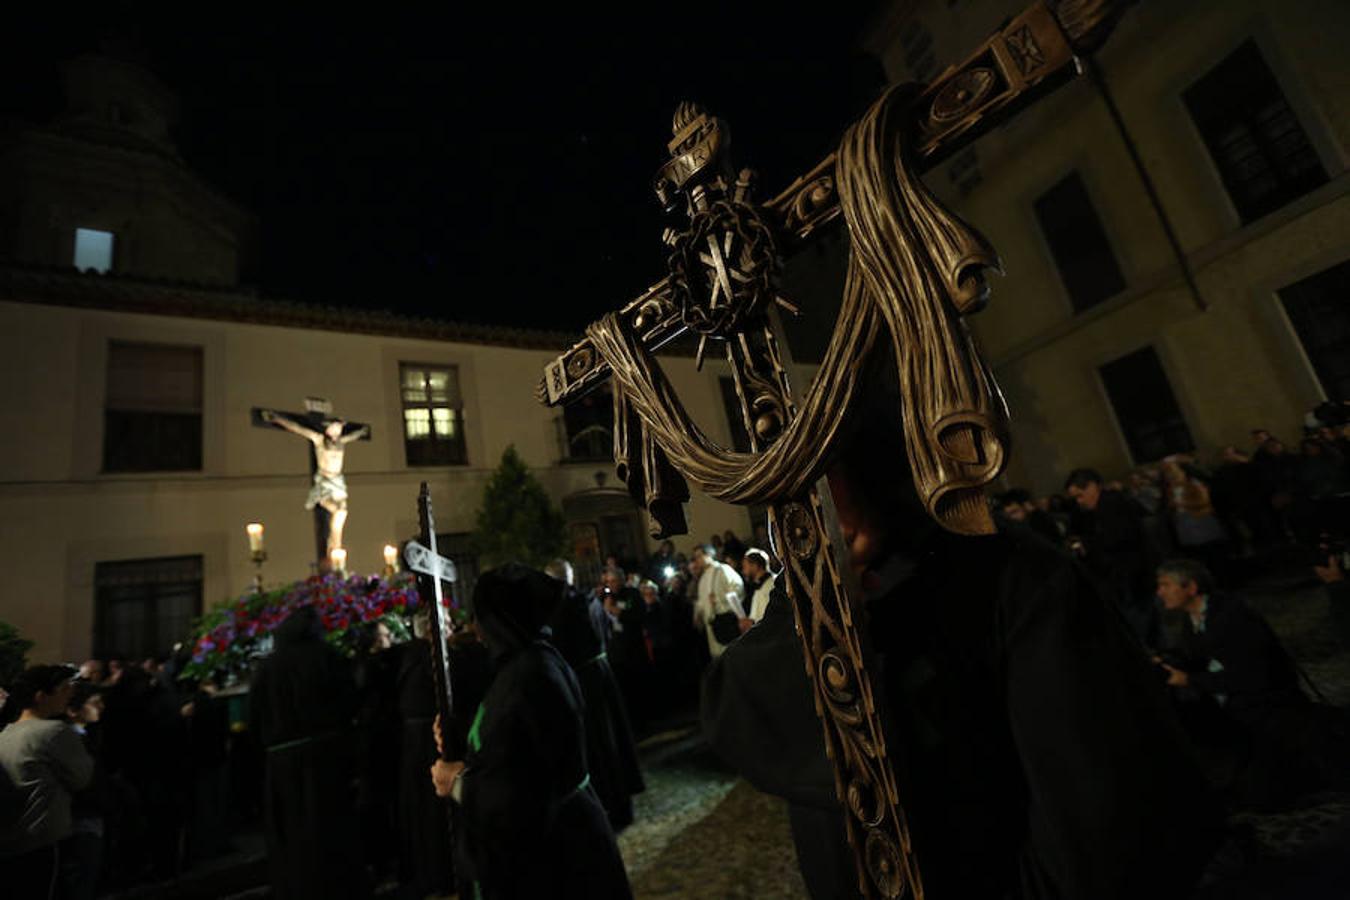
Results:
<point x="339" y="558"/>
<point x="255" y="537"/>
<point x="391" y="556"/>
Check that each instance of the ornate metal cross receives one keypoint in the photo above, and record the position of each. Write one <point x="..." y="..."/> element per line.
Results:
<point x="915" y="270"/>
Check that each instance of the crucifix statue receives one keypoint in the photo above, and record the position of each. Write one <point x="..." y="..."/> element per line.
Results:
<point x="915" y="271"/>
<point x="329" y="437"/>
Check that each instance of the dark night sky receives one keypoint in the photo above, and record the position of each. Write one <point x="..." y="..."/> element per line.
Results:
<point x="491" y="166"/>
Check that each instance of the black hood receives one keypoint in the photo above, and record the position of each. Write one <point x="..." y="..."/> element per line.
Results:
<point x="513" y="605"/>
<point x="300" y="626"/>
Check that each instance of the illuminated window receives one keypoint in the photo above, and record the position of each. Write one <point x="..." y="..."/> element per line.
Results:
<point x="433" y="415"/>
<point x="93" y="250"/>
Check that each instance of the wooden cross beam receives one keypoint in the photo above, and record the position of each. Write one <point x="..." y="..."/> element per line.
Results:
<point x="1028" y="57"/>
<point x="912" y="266"/>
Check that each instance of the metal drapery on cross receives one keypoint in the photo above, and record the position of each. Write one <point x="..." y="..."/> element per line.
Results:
<point x="915" y="271"/>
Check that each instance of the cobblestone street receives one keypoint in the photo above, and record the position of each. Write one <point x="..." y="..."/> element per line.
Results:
<point x="1298" y="609"/>
<point x="702" y="832"/>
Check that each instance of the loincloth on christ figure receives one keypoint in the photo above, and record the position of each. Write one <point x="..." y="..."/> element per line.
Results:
<point x="327" y="487"/>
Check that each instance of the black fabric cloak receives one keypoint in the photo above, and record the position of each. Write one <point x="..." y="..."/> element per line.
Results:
<point x="1037" y="753"/>
<point x="1119" y="556"/>
<point x="301" y="707"/>
<point x="425" y="859"/>
<point x="631" y="659"/>
<point x="378" y="727"/>
<point x="533" y="825"/>
<point x="610" y="749"/>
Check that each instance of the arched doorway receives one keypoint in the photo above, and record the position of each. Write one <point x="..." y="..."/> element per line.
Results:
<point x="603" y="522"/>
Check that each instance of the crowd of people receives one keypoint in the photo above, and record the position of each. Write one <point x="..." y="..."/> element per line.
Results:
<point x="1234" y="514"/>
<point x="120" y="773"/>
<point x="117" y="774"/>
<point x="665" y="621"/>
<point x="1172" y="544"/>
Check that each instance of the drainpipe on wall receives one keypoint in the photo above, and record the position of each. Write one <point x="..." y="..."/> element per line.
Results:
<point x="1094" y="73"/>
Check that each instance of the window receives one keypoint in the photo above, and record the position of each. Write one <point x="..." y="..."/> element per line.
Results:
<point x="153" y="412"/>
<point x="1260" y="149"/>
<point x="144" y="606"/>
<point x="1145" y="406"/>
<point x="1319" y="308"/>
<point x="433" y="415"/>
<point x="93" y="250"/>
<point x="740" y="438"/>
<point x="587" y="425"/>
<point x="1078" y="244"/>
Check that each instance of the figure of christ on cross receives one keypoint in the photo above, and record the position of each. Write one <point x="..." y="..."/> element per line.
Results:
<point x="330" y="486"/>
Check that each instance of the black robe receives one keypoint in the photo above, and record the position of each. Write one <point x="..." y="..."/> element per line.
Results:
<point x="425" y="858"/>
<point x="630" y="658"/>
<point x="378" y="726"/>
<point x="1119" y="555"/>
<point x="1037" y="754"/>
<point x="301" y="707"/>
<point x="533" y="825"/>
<point x="610" y="750"/>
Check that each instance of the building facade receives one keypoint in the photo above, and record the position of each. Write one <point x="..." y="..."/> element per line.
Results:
<point x="133" y="362"/>
<point x="1127" y="328"/>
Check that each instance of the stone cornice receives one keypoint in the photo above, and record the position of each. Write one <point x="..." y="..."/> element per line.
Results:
<point x="120" y="293"/>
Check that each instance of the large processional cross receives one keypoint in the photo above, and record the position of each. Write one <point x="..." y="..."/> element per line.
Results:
<point x="915" y="270"/>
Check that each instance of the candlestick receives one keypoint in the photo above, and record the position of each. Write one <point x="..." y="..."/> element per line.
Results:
<point x="390" y="559"/>
<point x="338" y="556"/>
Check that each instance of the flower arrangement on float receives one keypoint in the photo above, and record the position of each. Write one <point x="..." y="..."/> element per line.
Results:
<point x="226" y="641"/>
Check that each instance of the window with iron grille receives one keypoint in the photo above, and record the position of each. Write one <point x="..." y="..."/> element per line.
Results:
<point x="1319" y="308"/>
<point x="1145" y="406"/>
<point x="587" y="425"/>
<point x="144" y="606"/>
<point x="1087" y="264"/>
<point x="1262" y="153"/>
<point x="433" y="415"/>
<point x="153" y="408"/>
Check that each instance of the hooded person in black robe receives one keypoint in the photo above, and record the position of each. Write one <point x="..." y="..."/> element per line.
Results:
<point x="301" y="707"/>
<point x="1034" y="748"/>
<point x="533" y="826"/>
<point x="425" y="866"/>
<point x="377" y="726"/>
<point x="610" y="750"/>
